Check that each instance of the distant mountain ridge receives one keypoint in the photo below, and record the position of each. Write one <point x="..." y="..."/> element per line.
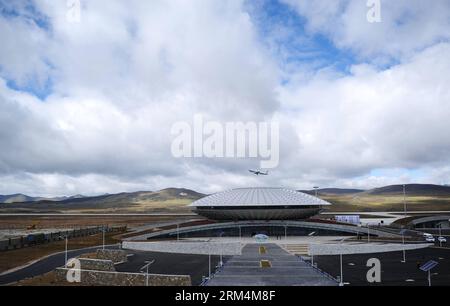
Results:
<point x="411" y="190"/>
<point x="335" y="191"/>
<point x="174" y="194"/>
<point x="138" y="196"/>
<point x="22" y="198"/>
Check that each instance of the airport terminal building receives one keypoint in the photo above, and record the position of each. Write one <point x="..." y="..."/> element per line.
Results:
<point x="244" y="212"/>
<point x="259" y="204"/>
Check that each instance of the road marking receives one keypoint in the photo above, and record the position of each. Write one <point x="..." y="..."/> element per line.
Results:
<point x="264" y="263"/>
<point x="262" y="250"/>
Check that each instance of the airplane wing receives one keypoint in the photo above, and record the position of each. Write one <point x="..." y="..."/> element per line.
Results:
<point x="252" y="171"/>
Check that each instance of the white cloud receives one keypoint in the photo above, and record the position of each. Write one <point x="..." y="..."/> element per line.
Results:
<point x="129" y="70"/>
<point x="406" y="26"/>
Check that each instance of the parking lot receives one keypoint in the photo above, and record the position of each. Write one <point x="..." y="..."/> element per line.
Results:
<point x="393" y="271"/>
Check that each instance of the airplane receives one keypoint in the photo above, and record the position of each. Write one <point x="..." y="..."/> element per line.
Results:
<point x="257" y="172"/>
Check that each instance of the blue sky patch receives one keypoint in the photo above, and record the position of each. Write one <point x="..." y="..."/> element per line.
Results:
<point x="282" y="31"/>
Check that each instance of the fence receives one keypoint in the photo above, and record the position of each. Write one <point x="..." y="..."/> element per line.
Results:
<point x="41" y="238"/>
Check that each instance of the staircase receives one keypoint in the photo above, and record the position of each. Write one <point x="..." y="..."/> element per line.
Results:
<point x="296" y="249"/>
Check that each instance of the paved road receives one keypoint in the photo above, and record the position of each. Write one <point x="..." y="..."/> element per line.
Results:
<point x="393" y="272"/>
<point x="285" y="270"/>
<point x="45" y="265"/>
<point x="196" y="266"/>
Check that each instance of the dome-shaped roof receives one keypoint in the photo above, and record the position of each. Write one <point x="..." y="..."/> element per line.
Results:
<point x="258" y="197"/>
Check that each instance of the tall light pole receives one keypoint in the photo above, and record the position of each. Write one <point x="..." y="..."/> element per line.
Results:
<point x="209" y="261"/>
<point x="342" y="270"/>
<point x="403" y="242"/>
<point x="404" y="199"/>
<point x="65" y="250"/>
<point x="368" y="233"/>
<point x="316" y="188"/>
<point x="103" y="237"/>
<point x="147" y="264"/>
<point x="67" y="242"/>
<point x="221" y="250"/>
<point x="178" y="232"/>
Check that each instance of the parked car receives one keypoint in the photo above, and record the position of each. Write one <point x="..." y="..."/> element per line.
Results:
<point x="430" y="239"/>
<point x="442" y="239"/>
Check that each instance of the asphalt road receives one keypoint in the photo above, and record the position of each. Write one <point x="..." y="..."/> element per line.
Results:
<point x="196" y="266"/>
<point x="393" y="271"/>
<point x="45" y="265"/>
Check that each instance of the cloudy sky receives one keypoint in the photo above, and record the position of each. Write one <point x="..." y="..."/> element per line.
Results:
<point x="87" y="105"/>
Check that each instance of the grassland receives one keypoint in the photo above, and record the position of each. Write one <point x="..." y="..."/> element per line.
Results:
<point x="15" y="258"/>
<point x="373" y="203"/>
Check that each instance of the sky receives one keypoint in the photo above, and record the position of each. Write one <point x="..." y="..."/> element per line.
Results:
<point x="88" y="100"/>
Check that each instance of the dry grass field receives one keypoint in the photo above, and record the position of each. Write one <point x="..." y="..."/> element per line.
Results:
<point x="64" y="221"/>
<point x="15" y="258"/>
<point x="373" y="203"/>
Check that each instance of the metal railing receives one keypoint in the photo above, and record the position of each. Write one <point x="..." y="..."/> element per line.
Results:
<point x="327" y="275"/>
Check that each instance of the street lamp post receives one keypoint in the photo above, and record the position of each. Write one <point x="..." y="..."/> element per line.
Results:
<point x="178" y="232"/>
<point x="65" y="255"/>
<point x="315" y="189"/>
<point x="285" y="232"/>
<point x="147" y="265"/>
<point x="403" y="242"/>
<point x="221" y="250"/>
<point x="209" y="262"/>
<point x="404" y="199"/>
<point x="103" y="237"/>
<point x="342" y="270"/>
<point x="368" y="233"/>
<point x="65" y="249"/>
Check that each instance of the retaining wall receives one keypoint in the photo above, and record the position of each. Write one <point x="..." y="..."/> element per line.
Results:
<point x="336" y="249"/>
<point x="186" y="247"/>
<point x="39" y="238"/>
<point x="114" y="255"/>
<point x="96" y="264"/>
<point x="105" y="278"/>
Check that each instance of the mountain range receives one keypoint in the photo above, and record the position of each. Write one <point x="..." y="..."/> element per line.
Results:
<point x="182" y="193"/>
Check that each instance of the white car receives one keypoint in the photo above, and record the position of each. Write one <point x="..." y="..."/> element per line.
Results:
<point x="430" y="239"/>
<point x="442" y="239"/>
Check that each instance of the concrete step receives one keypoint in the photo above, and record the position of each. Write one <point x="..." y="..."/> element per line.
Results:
<point x="296" y="249"/>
